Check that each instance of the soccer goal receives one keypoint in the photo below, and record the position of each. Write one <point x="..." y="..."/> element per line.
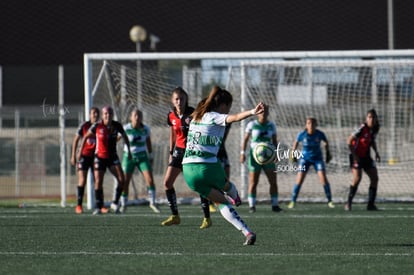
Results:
<point x="337" y="88"/>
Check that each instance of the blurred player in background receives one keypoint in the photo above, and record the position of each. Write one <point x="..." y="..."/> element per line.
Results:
<point x="203" y="172"/>
<point x="139" y="136"/>
<point x="86" y="156"/>
<point x="311" y="139"/>
<point x="260" y="130"/>
<point x="360" y="143"/>
<point x="106" y="131"/>
<point x="179" y="120"/>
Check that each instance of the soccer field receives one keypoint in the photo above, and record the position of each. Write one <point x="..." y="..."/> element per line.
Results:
<point x="310" y="239"/>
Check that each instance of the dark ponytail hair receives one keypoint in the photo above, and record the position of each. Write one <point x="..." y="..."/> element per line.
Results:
<point x="216" y="97"/>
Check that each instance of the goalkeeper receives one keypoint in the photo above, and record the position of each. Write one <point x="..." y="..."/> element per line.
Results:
<point x="311" y="155"/>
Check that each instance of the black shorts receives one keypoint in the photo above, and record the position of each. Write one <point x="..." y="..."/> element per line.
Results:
<point x="101" y="164"/>
<point x="177" y="158"/>
<point x="85" y="163"/>
<point x="364" y="163"/>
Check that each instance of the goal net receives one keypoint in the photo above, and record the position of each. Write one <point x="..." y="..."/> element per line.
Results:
<point x="335" y="88"/>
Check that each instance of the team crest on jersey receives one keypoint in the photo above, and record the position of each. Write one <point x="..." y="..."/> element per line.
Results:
<point x="173" y="122"/>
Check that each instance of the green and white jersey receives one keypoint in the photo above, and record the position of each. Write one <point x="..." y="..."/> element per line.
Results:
<point x="260" y="132"/>
<point x="204" y="138"/>
<point x="137" y="138"/>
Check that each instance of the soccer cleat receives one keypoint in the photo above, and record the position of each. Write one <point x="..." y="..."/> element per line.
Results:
<point x="104" y="210"/>
<point x="173" y="219"/>
<point x="372" y="207"/>
<point x="97" y="211"/>
<point x="331" y="204"/>
<point x="292" y="205"/>
<point x="122" y="209"/>
<point x="237" y="201"/>
<point x="250" y="239"/>
<point x="206" y="223"/>
<point x="212" y="208"/>
<point x="115" y="207"/>
<point x="276" y="208"/>
<point x="154" y="208"/>
<point x="348" y="207"/>
<point x="252" y="209"/>
<point x="78" y="209"/>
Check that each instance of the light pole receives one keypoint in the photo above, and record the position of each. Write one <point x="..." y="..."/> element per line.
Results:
<point x="138" y="34"/>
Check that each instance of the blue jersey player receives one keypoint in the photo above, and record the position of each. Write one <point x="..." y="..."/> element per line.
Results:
<point x="311" y="139"/>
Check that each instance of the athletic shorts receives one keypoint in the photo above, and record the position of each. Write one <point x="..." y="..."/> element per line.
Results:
<point x="364" y="163"/>
<point x="255" y="167"/>
<point x="202" y="177"/>
<point x="177" y="158"/>
<point x="101" y="164"/>
<point x="304" y="165"/>
<point x="85" y="163"/>
<point x="139" y="160"/>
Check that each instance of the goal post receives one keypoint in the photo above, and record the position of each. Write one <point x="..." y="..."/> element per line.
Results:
<point x="335" y="87"/>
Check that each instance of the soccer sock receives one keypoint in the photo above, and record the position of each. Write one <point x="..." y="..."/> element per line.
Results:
<point x="232" y="192"/>
<point x="251" y="198"/>
<point x="274" y="198"/>
<point x="352" y="192"/>
<point x="295" y="193"/>
<point x="124" y="198"/>
<point x="151" y="194"/>
<point x="205" y="206"/>
<point x="172" y="200"/>
<point x="327" y="188"/>
<point x="118" y="192"/>
<point x="230" y="214"/>
<point x="81" y="190"/>
<point x="372" y="194"/>
<point x="99" y="197"/>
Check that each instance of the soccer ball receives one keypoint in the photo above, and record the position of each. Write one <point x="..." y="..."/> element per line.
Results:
<point x="264" y="153"/>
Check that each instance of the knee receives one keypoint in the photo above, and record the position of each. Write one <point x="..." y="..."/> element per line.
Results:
<point x="168" y="184"/>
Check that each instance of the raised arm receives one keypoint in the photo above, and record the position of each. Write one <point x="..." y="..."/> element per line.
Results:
<point x="243" y="115"/>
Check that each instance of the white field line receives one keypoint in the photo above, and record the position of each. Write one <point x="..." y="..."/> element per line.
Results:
<point x="143" y="253"/>
<point x="256" y="216"/>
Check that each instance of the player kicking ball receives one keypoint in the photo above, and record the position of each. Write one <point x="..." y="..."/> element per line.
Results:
<point x="202" y="171"/>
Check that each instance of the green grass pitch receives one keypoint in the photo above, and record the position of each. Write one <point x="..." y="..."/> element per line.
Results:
<point x="310" y="239"/>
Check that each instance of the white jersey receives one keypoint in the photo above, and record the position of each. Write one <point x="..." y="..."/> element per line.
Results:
<point x="137" y="138"/>
<point x="204" y="138"/>
<point x="260" y="132"/>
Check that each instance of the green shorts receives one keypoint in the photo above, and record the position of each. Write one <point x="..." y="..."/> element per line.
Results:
<point x="255" y="167"/>
<point x="202" y="177"/>
<point x="139" y="160"/>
